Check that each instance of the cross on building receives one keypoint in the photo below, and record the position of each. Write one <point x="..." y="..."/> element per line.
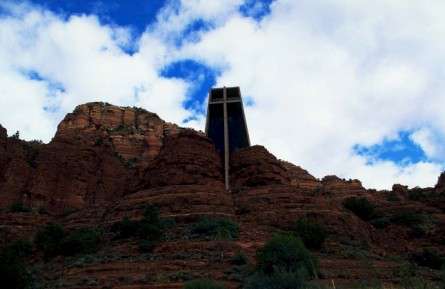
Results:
<point x="226" y="124"/>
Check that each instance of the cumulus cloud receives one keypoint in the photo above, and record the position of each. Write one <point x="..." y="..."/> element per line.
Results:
<point x="327" y="75"/>
<point x="323" y="76"/>
<point x="431" y="142"/>
<point x="49" y="65"/>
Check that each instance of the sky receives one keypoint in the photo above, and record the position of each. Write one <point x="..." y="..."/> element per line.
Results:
<point x="347" y="87"/>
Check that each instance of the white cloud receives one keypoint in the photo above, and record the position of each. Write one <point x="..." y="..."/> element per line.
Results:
<point x="324" y="75"/>
<point x="431" y="142"/>
<point x="85" y="59"/>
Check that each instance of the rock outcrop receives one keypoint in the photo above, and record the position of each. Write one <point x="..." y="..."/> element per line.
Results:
<point x="106" y="163"/>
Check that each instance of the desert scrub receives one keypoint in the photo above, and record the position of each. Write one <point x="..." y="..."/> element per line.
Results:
<point x="430" y="258"/>
<point x="278" y="280"/>
<point x="220" y="229"/>
<point x="149" y="229"/>
<point x="49" y="238"/>
<point x="19" y="207"/>
<point x="310" y="232"/>
<point x="53" y="240"/>
<point x="361" y="207"/>
<point x="13" y="272"/>
<point x="203" y="284"/>
<point x="418" y="223"/>
<point x="239" y="259"/>
<point x="81" y="241"/>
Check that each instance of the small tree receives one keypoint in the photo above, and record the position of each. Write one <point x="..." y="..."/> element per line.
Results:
<point x="16" y="135"/>
<point x="286" y="253"/>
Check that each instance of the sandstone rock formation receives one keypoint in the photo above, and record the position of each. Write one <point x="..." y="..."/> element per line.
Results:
<point x="107" y="162"/>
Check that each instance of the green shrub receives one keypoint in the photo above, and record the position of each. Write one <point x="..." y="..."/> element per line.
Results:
<point x="149" y="227"/>
<point x="239" y="259"/>
<point x="203" y="284"/>
<point x="49" y="238"/>
<point x="408" y="218"/>
<point x="125" y="228"/>
<point x="419" y="224"/>
<point x="417" y="194"/>
<point x="311" y="233"/>
<point x="18" y="207"/>
<point x="428" y="258"/>
<point x="286" y="253"/>
<point x="81" y="241"/>
<point x="360" y="207"/>
<point x="278" y="280"/>
<point x="381" y="223"/>
<point x="53" y="240"/>
<point x="393" y="197"/>
<point x="20" y="248"/>
<point x="147" y="246"/>
<point x="410" y="279"/>
<point x="221" y="229"/>
<point x="13" y="273"/>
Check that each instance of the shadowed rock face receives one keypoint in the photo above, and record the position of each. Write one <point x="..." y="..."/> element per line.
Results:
<point x="108" y="162"/>
<point x="440" y="186"/>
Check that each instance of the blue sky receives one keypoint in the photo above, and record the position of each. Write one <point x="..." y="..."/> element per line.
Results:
<point x="326" y="87"/>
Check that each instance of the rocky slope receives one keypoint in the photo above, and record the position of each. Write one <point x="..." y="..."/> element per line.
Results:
<point x="107" y="162"/>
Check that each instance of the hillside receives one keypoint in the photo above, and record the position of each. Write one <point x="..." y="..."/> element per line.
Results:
<point x="106" y="163"/>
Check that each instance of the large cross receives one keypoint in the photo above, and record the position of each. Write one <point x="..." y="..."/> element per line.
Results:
<point x="226" y="124"/>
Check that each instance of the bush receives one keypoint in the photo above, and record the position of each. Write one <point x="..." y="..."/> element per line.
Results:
<point x="149" y="227"/>
<point x="18" y="207"/>
<point x="239" y="259"/>
<point x="125" y="228"/>
<point x="53" y="241"/>
<point x="419" y="224"/>
<point x="203" y="284"/>
<point x="428" y="258"/>
<point x="311" y="233"/>
<point x="286" y="253"/>
<point x="360" y="207"/>
<point x="147" y="246"/>
<point x="381" y="223"/>
<point x="221" y="229"/>
<point x="408" y="218"/>
<point x="393" y="197"/>
<point x="417" y="194"/>
<point x="13" y="273"/>
<point x="49" y="238"/>
<point x="20" y="248"/>
<point x="81" y="241"/>
<point x="279" y="280"/>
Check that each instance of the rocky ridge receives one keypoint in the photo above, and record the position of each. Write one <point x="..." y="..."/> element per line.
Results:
<point x="108" y="162"/>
